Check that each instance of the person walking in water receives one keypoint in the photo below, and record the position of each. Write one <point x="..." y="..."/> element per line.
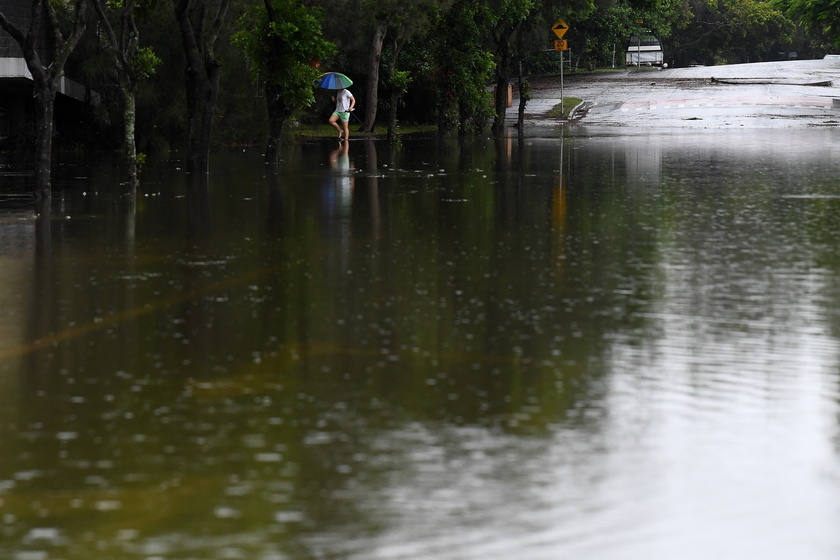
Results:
<point x="344" y="103"/>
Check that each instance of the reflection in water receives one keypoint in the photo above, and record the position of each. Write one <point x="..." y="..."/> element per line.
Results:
<point x="337" y="193"/>
<point x="589" y="347"/>
<point x="200" y="222"/>
<point x="18" y="244"/>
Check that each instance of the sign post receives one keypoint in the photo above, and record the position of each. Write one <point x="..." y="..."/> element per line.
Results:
<point x="639" y="45"/>
<point x="560" y="28"/>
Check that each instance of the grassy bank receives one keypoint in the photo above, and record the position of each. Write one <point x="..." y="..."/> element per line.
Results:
<point x="562" y="110"/>
<point x="326" y="131"/>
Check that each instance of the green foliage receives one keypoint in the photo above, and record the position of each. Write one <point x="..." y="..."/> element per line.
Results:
<point x="145" y="61"/>
<point x="401" y="80"/>
<point x="823" y="16"/>
<point x="525" y="90"/>
<point x="141" y="7"/>
<point x="281" y="47"/>
<point x="511" y="12"/>
<point x="728" y="31"/>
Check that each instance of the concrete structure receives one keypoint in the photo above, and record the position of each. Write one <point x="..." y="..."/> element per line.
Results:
<point x="16" y="107"/>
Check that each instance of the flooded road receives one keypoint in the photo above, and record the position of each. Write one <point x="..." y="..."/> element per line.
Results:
<point x="778" y="95"/>
<point x="602" y="346"/>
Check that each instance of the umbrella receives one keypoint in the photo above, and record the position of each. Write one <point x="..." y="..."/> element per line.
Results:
<point x="333" y="80"/>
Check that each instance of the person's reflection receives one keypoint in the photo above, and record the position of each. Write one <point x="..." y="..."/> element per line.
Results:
<point x="340" y="158"/>
<point x="343" y="174"/>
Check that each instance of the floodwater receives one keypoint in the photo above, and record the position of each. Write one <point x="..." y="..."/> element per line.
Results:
<point x="603" y="346"/>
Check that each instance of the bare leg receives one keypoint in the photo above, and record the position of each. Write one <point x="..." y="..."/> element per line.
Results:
<point x="346" y="126"/>
<point x="334" y="122"/>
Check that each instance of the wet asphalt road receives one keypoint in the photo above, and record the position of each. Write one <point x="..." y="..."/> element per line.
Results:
<point x="759" y="95"/>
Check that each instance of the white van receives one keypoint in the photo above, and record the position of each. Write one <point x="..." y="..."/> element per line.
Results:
<point x="644" y="50"/>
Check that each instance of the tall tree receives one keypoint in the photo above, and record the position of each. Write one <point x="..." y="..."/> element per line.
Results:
<point x="46" y="75"/>
<point x="132" y="63"/>
<point x="402" y="21"/>
<point x="200" y="23"/>
<point x="380" y="28"/>
<point x="398" y="82"/>
<point x="463" y="66"/>
<point x="282" y="40"/>
<point x="508" y="19"/>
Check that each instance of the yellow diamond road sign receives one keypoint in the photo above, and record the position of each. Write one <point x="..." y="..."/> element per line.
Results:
<point x="560" y="28"/>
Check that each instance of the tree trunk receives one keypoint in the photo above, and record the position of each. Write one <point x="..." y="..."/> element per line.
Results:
<point x="130" y="149"/>
<point x="392" y="114"/>
<point x="278" y="116"/>
<point x="202" y="92"/>
<point x="396" y="92"/>
<point x="504" y="55"/>
<point x="524" y="94"/>
<point x="502" y="81"/>
<point x="275" y="100"/>
<point x="500" y="104"/>
<point x="373" y="77"/>
<point x="45" y="117"/>
<point x="202" y="119"/>
<point x="202" y="79"/>
<point x="124" y="48"/>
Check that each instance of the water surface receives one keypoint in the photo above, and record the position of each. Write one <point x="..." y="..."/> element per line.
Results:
<point x="603" y="346"/>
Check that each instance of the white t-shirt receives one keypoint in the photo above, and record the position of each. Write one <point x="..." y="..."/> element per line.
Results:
<point x="342" y="101"/>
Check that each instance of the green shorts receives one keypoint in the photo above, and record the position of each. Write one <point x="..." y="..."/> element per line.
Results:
<point x="344" y="117"/>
